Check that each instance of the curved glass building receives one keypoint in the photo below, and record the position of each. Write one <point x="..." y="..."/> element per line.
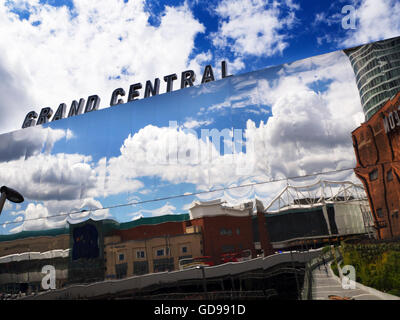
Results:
<point x="377" y="70"/>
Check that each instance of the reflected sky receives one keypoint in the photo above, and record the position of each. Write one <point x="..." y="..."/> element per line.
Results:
<point x="286" y="121"/>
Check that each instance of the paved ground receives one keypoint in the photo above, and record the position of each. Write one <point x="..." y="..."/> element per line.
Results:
<point x="326" y="284"/>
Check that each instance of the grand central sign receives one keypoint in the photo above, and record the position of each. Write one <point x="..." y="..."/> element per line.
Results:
<point x="93" y="102"/>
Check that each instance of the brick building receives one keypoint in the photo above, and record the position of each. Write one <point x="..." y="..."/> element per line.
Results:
<point x="230" y="229"/>
<point x="106" y="249"/>
<point x="377" y="147"/>
<point x="157" y="254"/>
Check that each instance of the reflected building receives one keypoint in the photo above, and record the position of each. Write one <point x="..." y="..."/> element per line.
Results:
<point x="377" y="74"/>
<point x="377" y="71"/>
<point x="23" y="255"/>
<point x="92" y="251"/>
<point x="320" y="211"/>
<point x="377" y="147"/>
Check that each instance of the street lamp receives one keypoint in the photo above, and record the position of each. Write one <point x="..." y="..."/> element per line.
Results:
<point x="10" y="195"/>
<point x="204" y="279"/>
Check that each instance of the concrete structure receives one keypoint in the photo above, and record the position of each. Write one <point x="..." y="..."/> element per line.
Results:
<point x="377" y="147"/>
<point x="20" y="272"/>
<point x="377" y="70"/>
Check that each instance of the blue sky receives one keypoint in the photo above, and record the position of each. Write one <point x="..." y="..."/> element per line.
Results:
<point x="297" y="115"/>
<point x="156" y="147"/>
<point x="80" y="48"/>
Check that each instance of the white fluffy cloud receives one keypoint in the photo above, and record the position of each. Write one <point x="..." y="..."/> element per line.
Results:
<point x="376" y="20"/>
<point x="50" y="177"/>
<point x="64" y="177"/>
<point x="165" y="152"/>
<point x="309" y="132"/>
<point x="373" y="21"/>
<point x="30" y="142"/>
<point x="58" y="55"/>
<point x="167" y="208"/>
<point x="193" y="123"/>
<point x="255" y="27"/>
<point x="52" y="214"/>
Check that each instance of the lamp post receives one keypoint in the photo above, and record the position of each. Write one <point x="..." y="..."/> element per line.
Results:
<point x="204" y="280"/>
<point x="9" y="194"/>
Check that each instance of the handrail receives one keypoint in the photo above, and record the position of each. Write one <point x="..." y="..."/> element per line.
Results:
<point x="307" y="291"/>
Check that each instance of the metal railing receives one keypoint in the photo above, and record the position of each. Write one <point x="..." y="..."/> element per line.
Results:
<point x="307" y="291"/>
<point x="216" y="295"/>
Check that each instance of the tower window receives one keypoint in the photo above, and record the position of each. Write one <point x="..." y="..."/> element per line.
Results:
<point x="140" y="254"/>
<point x="390" y="175"/>
<point x="373" y="175"/>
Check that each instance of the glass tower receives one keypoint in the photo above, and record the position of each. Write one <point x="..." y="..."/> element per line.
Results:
<point x="377" y="70"/>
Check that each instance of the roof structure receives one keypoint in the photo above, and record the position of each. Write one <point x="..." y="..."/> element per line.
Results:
<point x="154" y="220"/>
<point x="36" y="233"/>
<point x="108" y="224"/>
<point x="315" y="195"/>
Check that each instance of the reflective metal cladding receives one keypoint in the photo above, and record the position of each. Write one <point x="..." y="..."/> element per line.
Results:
<point x="188" y="78"/>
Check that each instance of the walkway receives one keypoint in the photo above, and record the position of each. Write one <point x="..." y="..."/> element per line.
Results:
<point x="327" y="284"/>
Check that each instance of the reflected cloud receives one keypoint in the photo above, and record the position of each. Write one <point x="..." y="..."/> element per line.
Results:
<point x="266" y="127"/>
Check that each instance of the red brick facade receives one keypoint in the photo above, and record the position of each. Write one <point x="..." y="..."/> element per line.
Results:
<point x="265" y="241"/>
<point x="151" y="231"/>
<point x="377" y="148"/>
<point x="220" y="234"/>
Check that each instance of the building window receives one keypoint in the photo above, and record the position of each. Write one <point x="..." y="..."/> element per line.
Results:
<point x="140" y="267"/>
<point x="373" y="175"/>
<point x="163" y="264"/>
<point x="140" y="254"/>
<point x="390" y="175"/>
<point x="121" y="257"/>
<point x="238" y="231"/>
<point x="121" y="270"/>
<point x="160" y="252"/>
<point x="225" y="232"/>
<point x="379" y="213"/>
<point x="228" y="248"/>
<point x="184" y="249"/>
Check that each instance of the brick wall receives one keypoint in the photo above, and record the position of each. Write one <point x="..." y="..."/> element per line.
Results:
<point x="378" y="167"/>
